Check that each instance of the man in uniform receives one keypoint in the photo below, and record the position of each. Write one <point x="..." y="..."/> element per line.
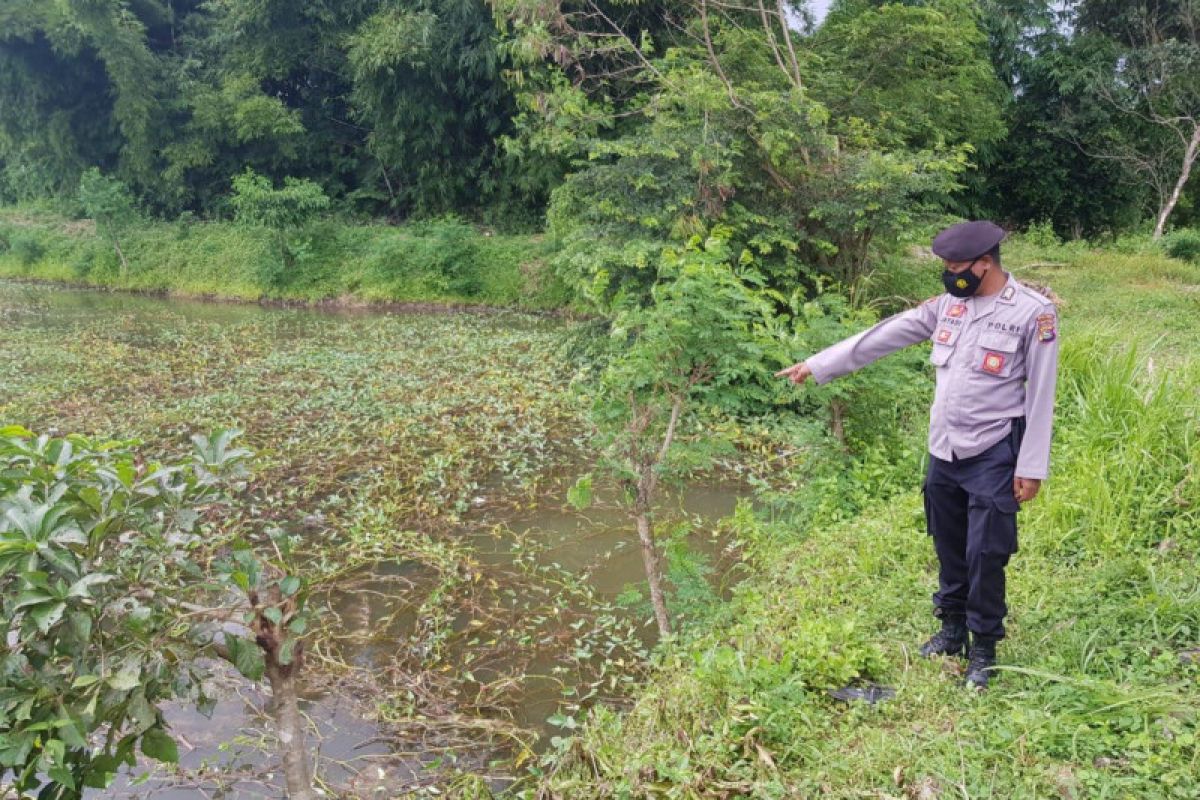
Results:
<point x="995" y="347"/>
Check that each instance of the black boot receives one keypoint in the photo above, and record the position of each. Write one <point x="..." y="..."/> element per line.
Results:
<point x="980" y="661"/>
<point x="951" y="640"/>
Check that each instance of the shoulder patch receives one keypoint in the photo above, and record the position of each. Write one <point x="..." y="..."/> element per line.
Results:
<point x="1047" y="328"/>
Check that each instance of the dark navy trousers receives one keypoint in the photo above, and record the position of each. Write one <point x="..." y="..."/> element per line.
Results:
<point x="971" y="515"/>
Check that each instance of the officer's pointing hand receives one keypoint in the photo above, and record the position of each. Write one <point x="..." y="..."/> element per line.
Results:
<point x="1025" y="489"/>
<point x="797" y="373"/>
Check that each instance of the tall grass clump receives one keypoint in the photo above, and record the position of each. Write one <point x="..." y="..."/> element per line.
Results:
<point x="1127" y="432"/>
<point x="1184" y="245"/>
<point x="437" y="260"/>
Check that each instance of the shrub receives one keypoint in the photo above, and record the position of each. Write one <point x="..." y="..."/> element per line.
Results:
<point x="438" y="256"/>
<point x="27" y="248"/>
<point x="1041" y="234"/>
<point x="1184" y="245"/>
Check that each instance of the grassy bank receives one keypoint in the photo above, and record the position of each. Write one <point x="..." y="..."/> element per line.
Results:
<point x="441" y="261"/>
<point x="1097" y="697"/>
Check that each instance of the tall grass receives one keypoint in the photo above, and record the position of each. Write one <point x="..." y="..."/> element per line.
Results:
<point x="443" y="260"/>
<point x="1096" y="695"/>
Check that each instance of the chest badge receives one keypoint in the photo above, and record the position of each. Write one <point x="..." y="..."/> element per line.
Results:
<point x="943" y="336"/>
<point x="957" y="311"/>
<point x="993" y="363"/>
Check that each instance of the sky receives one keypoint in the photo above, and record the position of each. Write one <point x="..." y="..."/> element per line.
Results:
<point x="819" y="8"/>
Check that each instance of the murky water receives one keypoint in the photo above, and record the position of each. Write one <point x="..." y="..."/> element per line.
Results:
<point x="380" y="621"/>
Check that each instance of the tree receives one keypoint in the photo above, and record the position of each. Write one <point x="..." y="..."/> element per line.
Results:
<point x="700" y="341"/>
<point x="1151" y="79"/>
<point x="915" y="75"/>
<point x="107" y="608"/>
<point x="80" y="85"/>
<point x="427" y="87"/>
<point x="281" y="211"/>
<point x="109" y="202"/>
<point x="1036" y="172"/>
<point x="715" y="127"/>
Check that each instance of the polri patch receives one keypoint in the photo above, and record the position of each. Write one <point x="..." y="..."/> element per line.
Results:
<point x="957" y="311"/>
<point x="943" y="335"/>
<point x="993" y="363"/>
<point x="1046" y="330"/>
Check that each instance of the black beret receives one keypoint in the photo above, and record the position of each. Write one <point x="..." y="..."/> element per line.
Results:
<point x="967" y="241"/>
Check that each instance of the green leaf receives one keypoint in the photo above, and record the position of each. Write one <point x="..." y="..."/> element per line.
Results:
<point x="246" y="657"/>
<point x="125" y="680"/>
<point x="61" y="776"/>
<point x="47" y="616"/>
<point x="70" y="734"/>
<point x="15" y="432"/>
<point x="82" y="586"/>
<point x="100" y="772"/>
<point x="158" y="745"/>
<point x="289" y="586"/>
<point x="287" y="652"/>
<point x="580" y="495"/>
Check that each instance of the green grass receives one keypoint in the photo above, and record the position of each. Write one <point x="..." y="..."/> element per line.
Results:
<point x="1097" y="697"/>
<point x="440" y="261"/>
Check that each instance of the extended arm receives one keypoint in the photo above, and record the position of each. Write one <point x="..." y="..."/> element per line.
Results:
<point x="881" y="339"/>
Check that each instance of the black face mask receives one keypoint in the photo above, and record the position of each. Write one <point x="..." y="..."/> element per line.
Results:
<point x="962" y="284"/>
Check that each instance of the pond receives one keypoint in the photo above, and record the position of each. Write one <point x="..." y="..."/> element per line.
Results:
<point x="423" y="459"/>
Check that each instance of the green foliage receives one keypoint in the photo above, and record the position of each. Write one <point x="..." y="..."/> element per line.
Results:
<point x="257" y="202"/>
<point x="728" y="135"/>
<point x="913" y="75"/>
<point x="704" y="337"/>
<point x="285" y="212"/>
<point x="438" y="260"/>
<point x="439" y="257"/>
<point x="1095" y="690"/>
<point x="26" y="248"/>
<point x="108" y="202"/>
<point x="427" y="84"/>
<point x="1184" y="245"/>
<point x="91" y="536"/>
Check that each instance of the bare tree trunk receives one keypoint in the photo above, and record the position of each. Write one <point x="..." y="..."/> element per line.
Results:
<point x="121" y="255"/>
<point x="837" y="417"/>
<point x="1189" y="158"/>
<point x="653" y="574"/>
<point x="289" y="724"/>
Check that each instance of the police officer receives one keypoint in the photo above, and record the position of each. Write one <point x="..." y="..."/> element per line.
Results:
<point x="995" y="349"/>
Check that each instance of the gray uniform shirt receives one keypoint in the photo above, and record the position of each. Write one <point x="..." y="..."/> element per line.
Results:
<point x="996" y="359"/>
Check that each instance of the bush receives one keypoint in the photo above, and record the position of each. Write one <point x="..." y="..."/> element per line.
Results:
<point x="27" y="248"/>
<point x="1184" y="245"/>
<point x="440" y="256"/>
<point x="1041" y="234"/>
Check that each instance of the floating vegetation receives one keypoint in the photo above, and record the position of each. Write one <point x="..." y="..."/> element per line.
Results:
<point x="392" y="449"/>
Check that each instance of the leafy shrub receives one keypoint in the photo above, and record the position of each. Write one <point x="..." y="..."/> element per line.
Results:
<point x="86" y="529"/>
<point x="1184" y="245"/>
<point x="1042" y="234"/>
<point x="27" y="248"/>
<point x="437" y="256"/>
